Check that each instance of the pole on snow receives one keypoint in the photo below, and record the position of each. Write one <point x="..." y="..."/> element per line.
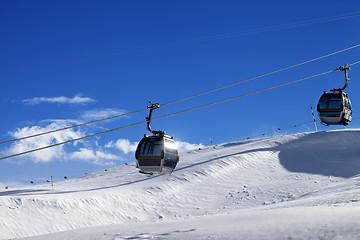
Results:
<point x="214" y="146"/>
<point x="52" y="184"/>
<point x="314" y="118"/>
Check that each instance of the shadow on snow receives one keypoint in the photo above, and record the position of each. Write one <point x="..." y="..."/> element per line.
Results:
<point x="325" y="153"/>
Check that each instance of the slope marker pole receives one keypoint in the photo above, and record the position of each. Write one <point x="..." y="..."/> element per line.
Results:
<point x="214" y="146"/>
<point x="52" y="183"/>
<point x="314" y="118"/>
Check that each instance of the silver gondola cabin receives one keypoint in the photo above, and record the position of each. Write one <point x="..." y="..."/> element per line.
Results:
<point x="334" y="107"/>
<point x="157" y="153"/>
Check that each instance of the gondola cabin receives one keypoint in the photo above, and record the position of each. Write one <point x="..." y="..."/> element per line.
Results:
<point x="334" y="108"/>
<point x="156" y="154"/>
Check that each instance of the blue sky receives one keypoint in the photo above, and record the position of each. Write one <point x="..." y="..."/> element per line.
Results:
<point x="69" y="62"/>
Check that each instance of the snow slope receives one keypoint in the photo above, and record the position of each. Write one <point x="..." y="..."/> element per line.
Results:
<point x="300" y="186"/>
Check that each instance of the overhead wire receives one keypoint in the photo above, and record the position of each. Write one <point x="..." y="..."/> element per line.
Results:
<point x="181" y="43"/>
<point x="186" y="98"/>
<point x="353" y="63"/>
<point x="267" y="74"/>
<point x="169" y="115"/>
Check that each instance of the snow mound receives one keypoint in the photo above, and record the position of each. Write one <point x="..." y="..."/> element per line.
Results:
<point x="250" y="182"/>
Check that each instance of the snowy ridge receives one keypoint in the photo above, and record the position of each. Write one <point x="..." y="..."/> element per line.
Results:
<point x="251" y="182"/>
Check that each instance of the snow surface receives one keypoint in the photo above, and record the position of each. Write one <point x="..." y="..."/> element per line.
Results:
<point x="300" y="186"/>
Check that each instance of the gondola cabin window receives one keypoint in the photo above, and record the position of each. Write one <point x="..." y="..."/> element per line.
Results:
<point x="330" y="102"/>
<point x="150" y="148"/>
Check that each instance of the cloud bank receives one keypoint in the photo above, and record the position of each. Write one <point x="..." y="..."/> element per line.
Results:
<point x="88" y="150"/>
<point x="45" y="155"/>
<point x="92" y="150"/>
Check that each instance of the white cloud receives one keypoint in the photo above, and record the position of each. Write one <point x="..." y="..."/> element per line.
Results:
<point x="124" y="145"/>
<point x="90" y="150"/>
<point x="95" y="157"/>
<point x="101" y="114"/>
<point x="64" y="100"/>
<point x="62" y="152"/>
<point x="185" y="146"/>
<point x="45" y="155"/>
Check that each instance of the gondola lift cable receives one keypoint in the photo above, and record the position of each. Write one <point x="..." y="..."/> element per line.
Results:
<point x="181" y="43"/>
<point x="173" y="114"/>
<point x="186" y="98"/>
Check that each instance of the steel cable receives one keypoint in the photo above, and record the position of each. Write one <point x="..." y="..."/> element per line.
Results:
<point x="186" y="98"/>
<point x="181" y="43"/>
<point x="169" y="115"/>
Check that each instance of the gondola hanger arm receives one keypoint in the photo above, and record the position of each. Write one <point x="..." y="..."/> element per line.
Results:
<point x="148" y="119"/>
<point x="344" y="68"/>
